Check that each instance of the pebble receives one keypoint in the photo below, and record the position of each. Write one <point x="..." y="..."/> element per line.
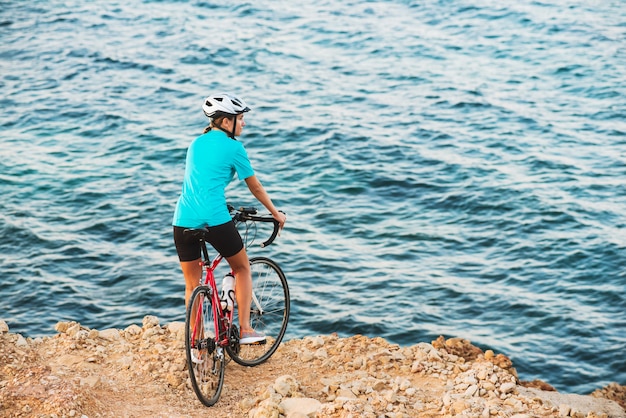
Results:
<point x="564" y="410"/>
<point x="110" y="334"/>
<point x="471" y="391"/>
<point x="150" y="321"/>
<point x="302" y="406"/>
<point x="507" y="387"/>
<point x="133" y="330"/>
<point x="285" y="385"/>
<point x="21" y="341"/>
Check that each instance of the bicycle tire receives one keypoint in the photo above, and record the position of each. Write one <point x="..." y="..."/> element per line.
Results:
<point x="269" y="285"/>
<point x="205" y="361"/>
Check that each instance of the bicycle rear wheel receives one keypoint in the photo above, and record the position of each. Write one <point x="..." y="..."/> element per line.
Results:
<point x="205" y="360"/>
<point x="269" y="312"/>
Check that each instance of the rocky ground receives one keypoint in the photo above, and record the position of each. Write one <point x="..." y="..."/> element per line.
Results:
<point x="141" y="372"/>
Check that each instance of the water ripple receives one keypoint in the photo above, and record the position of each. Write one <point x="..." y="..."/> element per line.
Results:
<point x="452" y="169"/>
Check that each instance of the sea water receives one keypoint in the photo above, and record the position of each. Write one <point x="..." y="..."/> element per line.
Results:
<point x="447" y="168"/>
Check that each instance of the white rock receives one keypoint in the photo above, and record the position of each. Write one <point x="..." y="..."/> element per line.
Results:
<point x="486" y="413"/>
<point x="178" y="329"/>
<point x="515" y="403"/>
<point x="150" y="321"/>
<point x="507" y="387"/>
<point x="471" y="391"/>
<point x="358" y="387"/>
<point x="3" y="327"/>
<point x="390" y="396"/>
<point x="21" y="341"/>
<point x="110" y="334"/>
<point x="416" y="366"/>
<point x="63" y="326"/>
<point x="359" y="362"/>
<point x="470" y="380"/>
<point x="461" y="387"/>
<point x="72" y="329"/>
<point x="315" y="342"/>
<point x="285" y="385"/>
<point x="345" y="394"/>
<point x="125" y="362"/>
<point x="132" y="330"/>
<point x="425" y="347"/>
<point x="150" y="332"/>
<point x="81" y="334"/>
<point x="405" y="384"/>
<point x="266" y="409"/>
<point x="564" y="410"/>
<point x="488" y="386"/>
<point x="321" y="354"/>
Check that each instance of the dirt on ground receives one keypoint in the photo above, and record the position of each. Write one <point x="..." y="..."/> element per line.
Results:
<point x="141" y="372"/>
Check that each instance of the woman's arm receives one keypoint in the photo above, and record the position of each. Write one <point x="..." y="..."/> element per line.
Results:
<point x="258" y="191"/>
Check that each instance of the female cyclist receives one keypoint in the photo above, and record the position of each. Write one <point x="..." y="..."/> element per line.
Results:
<point x="212" y="161"/>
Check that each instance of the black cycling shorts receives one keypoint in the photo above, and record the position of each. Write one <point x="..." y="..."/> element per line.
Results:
<point x="224" y="238"/>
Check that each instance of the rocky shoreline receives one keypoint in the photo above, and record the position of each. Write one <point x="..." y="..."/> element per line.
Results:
<point x="140" y="371"/>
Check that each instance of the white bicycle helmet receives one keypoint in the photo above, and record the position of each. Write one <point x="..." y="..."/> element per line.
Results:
<point x="224" y="104"/>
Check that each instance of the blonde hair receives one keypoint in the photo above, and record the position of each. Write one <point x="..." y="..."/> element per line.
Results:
<point x="215" y="123"/>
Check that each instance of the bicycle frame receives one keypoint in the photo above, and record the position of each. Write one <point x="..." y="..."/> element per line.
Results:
<point x="222" y="318"/>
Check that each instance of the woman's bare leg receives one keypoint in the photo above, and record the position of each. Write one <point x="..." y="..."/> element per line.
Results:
<point x="240" y="265"/>
<point x="192" y="270"/>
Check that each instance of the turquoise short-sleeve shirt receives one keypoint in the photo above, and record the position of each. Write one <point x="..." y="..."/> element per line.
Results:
<point x="212" y="161"/>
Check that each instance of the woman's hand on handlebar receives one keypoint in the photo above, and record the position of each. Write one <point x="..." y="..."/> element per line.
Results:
<point x="281" y="218"/>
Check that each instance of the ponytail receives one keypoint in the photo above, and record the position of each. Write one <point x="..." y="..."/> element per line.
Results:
<point x="216" y="122"/>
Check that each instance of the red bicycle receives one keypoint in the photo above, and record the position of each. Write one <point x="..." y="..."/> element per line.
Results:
<point x="211" y="326"/>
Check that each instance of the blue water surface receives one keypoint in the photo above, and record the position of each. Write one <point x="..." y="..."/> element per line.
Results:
<point x="448" y="168"/>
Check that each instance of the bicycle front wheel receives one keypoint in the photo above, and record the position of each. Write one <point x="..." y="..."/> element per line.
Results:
<point x="205" y="360"/>
<point x="269" y="312"/>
